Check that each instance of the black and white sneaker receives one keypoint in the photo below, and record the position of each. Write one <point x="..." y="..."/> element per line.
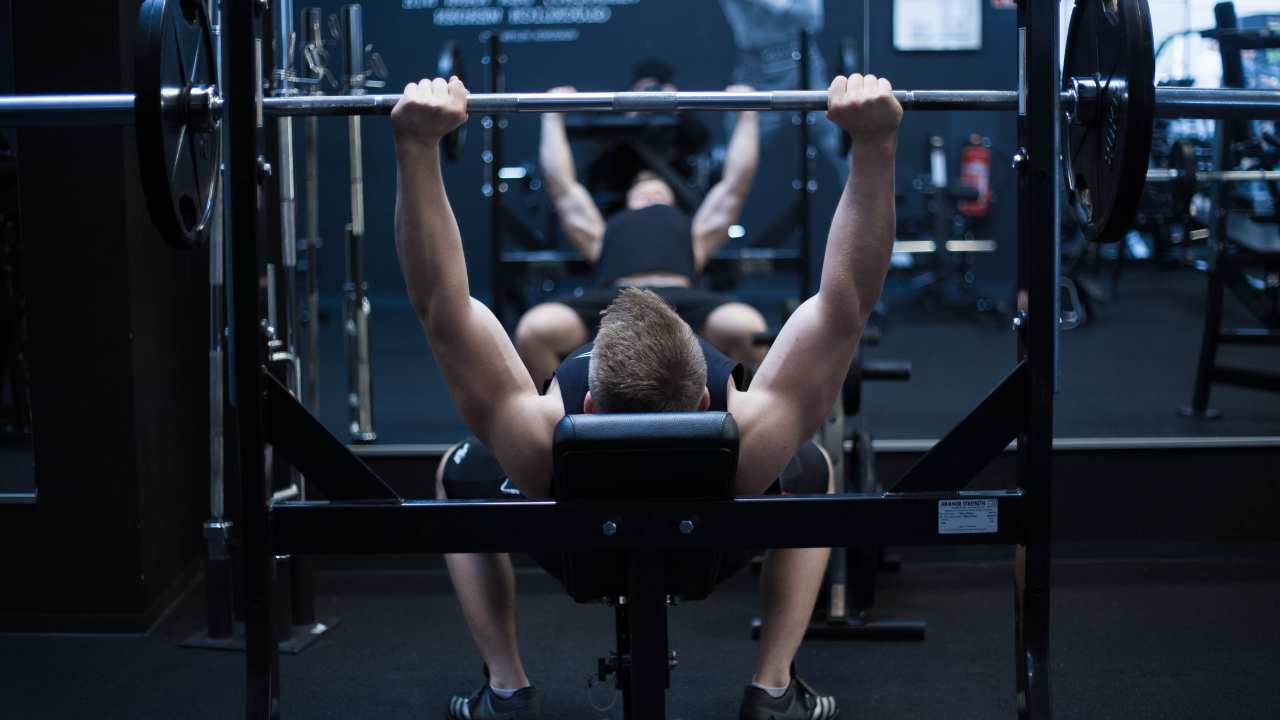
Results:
<point x="483" y="704"/>
<point x="799" y="702"/>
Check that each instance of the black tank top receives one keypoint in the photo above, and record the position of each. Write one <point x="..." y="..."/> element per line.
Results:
<point x="653" y="239"/>
<point x="572" y="376"/>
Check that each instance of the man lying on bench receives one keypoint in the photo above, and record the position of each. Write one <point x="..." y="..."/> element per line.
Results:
<point x="644" y="359"/>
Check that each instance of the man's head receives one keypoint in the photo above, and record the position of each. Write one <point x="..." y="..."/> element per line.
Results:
<point x="649" y="189"/>
<point x="645" y="359"/>
<point x="652" y="75"/>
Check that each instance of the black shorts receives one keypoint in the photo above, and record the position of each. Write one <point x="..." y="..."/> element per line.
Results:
<point x="693" y="305"/>
<point x="471" y="472"/>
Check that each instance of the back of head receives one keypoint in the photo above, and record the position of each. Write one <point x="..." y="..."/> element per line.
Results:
<point x="645" y="359"/>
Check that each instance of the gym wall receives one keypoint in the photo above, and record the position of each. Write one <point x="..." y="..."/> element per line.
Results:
<point x="119" y="323"/>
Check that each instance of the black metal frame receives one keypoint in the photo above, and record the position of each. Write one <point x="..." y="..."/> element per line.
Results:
<point x="393" y="526"/>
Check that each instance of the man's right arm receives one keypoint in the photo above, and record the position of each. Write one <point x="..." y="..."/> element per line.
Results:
<point x="490" y="386"/>
<point x="579" y="217"/>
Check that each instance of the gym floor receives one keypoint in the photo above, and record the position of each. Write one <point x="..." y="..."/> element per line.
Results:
<point x="1124" y="374"/>
<point x="1181" y="637"/>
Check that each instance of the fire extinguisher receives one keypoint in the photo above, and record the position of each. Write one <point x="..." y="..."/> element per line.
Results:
<point x="975" y="172"/>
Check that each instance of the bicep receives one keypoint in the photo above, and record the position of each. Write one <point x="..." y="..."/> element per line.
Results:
<point x="495" y="395"/>
<point x="478" y="361"/>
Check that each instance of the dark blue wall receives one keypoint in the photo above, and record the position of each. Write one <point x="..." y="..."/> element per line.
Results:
<point x="694" y="37"/>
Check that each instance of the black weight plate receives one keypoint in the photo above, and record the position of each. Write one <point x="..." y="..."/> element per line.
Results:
<point x="1106" y="157"/>
<point x="450" y="64"/>
<point x="1182" y="157"/>
<point x="179" y="163"/>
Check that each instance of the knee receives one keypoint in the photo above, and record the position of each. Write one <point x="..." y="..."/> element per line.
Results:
<point x="544" y="325"/>
<point x="530" y="329"/>
<point x="735" y="319"/>
<point x="731" y="329"/>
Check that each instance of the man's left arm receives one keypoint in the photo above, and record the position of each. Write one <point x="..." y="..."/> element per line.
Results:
<point x="801" y="376"/>
<point x="723" y="204"/>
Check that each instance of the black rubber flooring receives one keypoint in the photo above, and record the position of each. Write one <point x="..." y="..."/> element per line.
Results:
<point x="1124" y="374"/>
<point x="1151" y="639"/>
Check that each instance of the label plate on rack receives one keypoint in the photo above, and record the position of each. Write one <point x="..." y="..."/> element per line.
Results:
<point x="960" y="517"/>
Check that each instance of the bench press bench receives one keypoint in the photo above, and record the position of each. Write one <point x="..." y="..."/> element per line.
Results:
<point x="643" y="516"/>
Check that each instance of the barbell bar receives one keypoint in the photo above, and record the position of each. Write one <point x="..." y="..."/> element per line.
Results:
<point x="204" y="106"/>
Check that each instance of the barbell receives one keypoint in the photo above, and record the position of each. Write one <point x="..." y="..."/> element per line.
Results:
<point x="1108" y="103"/>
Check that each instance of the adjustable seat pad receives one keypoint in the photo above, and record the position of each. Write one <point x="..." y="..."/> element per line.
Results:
<point x="663" y="457"/>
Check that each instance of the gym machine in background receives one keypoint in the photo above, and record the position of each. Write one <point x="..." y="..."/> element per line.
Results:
<point x="951" y="207"/>
<point x="356" y="310"/>
<point x="315" y="73"/>
<point x="1244" y="251"/>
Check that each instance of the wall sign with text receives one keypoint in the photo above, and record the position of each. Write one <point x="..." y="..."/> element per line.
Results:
<point x="935" y="25"/>
<point x="522" y="20"/>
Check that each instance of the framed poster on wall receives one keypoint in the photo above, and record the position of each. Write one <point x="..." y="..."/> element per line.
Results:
<point x="937" y="25"/>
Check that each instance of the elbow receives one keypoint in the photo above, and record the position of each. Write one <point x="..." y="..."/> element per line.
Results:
<point x="421" y="310"/>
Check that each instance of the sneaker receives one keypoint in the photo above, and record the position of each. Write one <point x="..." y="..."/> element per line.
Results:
<point x="485" y="705"/>
<point x="799" y="702"/>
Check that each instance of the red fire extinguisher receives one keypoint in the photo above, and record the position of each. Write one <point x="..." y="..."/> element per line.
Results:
<point x="975" y="172"/>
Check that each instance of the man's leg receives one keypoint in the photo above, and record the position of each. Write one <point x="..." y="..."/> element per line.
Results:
<point x="545" y="334"/>
<point x="486" y="587"/>
<point x="730" y="328"/>
<point x="789" y="586"/>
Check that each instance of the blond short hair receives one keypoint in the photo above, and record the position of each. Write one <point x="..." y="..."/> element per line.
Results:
<point x="645" y="359"/>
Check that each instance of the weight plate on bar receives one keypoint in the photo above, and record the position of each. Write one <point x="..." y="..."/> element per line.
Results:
<point x="449" y="64"/>
<point x="1107" y="147"/>
<point x="178" y="148"/>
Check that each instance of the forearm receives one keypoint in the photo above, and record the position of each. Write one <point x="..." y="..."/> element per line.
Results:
<point x="555" y="156"/>
<point x="428" y="242"/>
<point x="743" y="154"/>
<point x="862" y="233"/>
<point x="723" y="205"/>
